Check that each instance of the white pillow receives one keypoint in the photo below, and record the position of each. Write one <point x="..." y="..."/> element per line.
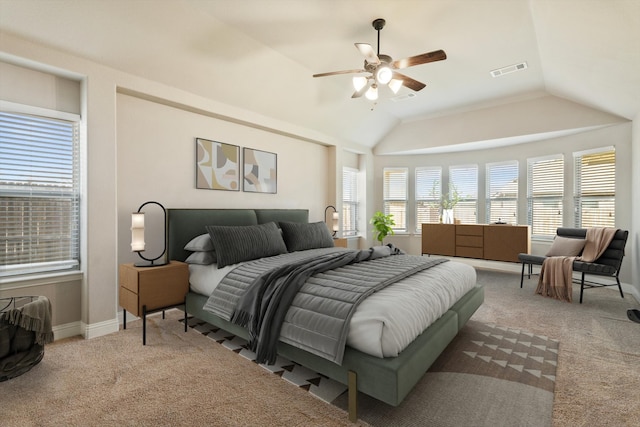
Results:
<point x="564" y="246"/>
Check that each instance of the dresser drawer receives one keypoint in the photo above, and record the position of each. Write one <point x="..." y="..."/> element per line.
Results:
<point x="469" y="230"/>
<point x="467" y="252"/>
<point x="472" y="241"/>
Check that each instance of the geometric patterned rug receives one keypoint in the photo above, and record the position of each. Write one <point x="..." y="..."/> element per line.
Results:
<point x="316" y="384"/>
<point x="489" y="375"/>
<point x="504" y="353"/>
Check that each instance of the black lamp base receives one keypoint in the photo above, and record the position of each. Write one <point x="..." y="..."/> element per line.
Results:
<point x="150" y="264"/>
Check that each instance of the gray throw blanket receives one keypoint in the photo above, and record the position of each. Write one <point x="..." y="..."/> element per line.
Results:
<point x="34" y="316"/>
<point x="266" y="300"/>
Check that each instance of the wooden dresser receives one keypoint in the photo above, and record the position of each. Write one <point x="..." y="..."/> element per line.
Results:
<point x="494" y="242"/>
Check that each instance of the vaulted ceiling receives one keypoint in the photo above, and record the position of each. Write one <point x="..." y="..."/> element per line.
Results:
<point x="260" y="55"/>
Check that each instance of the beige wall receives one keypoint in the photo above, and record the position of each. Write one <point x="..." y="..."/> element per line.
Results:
<point x="156" y="161"/>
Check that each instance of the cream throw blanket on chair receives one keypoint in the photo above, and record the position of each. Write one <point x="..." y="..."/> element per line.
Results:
<point x="556" y="274"/>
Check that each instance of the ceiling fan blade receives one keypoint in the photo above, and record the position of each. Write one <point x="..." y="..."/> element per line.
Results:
<point x="436" y="55"/>
<point x="333" y="73"/>
<point x="409" y="82"/>
<point x="368" y="52"/>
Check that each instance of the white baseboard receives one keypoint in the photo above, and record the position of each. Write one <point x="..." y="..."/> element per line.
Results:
<point x="67" y="330"/>
<point x="101" y="328"/>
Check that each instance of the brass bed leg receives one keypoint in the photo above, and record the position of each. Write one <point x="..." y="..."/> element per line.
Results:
<point x="352" y="386"/>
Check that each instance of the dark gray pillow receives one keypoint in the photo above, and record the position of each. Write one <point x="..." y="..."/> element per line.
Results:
<point x="234" y="244"/>
<point x="300" y="237"/>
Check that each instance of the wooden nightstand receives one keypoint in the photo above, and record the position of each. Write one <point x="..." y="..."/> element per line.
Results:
<point x="340" y="242"/>
<point x="148" y="289"/>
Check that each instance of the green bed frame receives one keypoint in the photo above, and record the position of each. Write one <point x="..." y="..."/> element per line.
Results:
<point x="387" y="379"/>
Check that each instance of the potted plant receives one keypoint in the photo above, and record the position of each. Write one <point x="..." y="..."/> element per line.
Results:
<point x="382" y="226"/>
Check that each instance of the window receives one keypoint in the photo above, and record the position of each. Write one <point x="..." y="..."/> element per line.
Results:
<point x="595" y="188"/>
<point x="502" y="192"/>
<point x="39" y="194"/>
<point x="464" y="181"/>
<point x="428" y="192"/>
<point x="395" y="196"/>
<point x="545" y="189"/>
<point x="350" y="207"/>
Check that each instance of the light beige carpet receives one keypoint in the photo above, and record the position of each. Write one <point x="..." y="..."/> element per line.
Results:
<point x="177" y="379"/>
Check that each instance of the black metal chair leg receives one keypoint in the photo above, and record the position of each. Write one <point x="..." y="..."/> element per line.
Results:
<point x="522" y="276"/>
<point x="185" y="317"/>
<point x="581" y="287"/>
<point x="619" y="287"/>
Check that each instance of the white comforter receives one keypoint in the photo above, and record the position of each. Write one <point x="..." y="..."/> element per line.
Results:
<point x="389" y="320"/>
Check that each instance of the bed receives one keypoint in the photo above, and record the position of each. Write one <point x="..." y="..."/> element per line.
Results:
<point x="388" y="379"/>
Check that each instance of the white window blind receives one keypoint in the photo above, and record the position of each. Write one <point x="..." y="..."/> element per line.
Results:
<point x="464" y="181"/>
<point x="595" y="188"/>
<point x="350" y="206"/>
<point x="39" y="194"/>
<point x="428" y="193"/>
<point x="502" y="192"/>
<point x="395" y="196"/>
<point x="545" y="190"/>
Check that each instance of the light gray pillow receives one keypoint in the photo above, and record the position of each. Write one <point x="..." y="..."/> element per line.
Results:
<point x="200" y="243"/>
<point x="301" y="237"/>
<point x="564" y="246"/>
<point x="234" y="244"/>
<point x="202" y="258"/>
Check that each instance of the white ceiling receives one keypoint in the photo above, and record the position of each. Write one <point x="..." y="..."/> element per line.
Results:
<point x="260" y="54"/>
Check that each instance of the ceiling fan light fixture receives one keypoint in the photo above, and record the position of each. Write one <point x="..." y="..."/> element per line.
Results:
<point x="395" y="85"/>
<point x="384" y="74"/>
<point x="359" y="82"/>
<point x="372" y="93"/>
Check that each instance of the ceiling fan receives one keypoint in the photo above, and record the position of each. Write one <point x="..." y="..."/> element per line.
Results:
<point x="382" y="69"/>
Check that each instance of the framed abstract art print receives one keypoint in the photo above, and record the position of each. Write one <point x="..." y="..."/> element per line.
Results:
<point x="217" y="165"/>
<point x="260" y="171"/>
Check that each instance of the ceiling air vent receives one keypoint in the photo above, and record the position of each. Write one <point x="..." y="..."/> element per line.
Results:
<point x="510" y="69"/>
<point x="404" y="97"/>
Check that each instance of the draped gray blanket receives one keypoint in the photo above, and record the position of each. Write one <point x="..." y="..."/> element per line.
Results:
<point x="34" y="316"/>
<point x="324" y="285"/>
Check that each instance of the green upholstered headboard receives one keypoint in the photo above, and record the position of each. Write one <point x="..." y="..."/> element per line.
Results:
<point x="185" y="224"/>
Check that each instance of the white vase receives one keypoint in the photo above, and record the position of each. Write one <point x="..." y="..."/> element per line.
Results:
<point x="447" y="216"/>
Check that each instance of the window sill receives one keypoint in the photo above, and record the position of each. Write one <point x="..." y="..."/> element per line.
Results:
<point x="17" y="282"/>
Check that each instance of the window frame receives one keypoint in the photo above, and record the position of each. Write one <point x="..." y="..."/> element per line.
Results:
<point x="17" y="272"/>
<point x="468" y="201"/>
<point x="594" y="198"/>
<point x="506" y="167"/>
<point x="400" y="201"/>
<point x="554" y="198"/>
<point x="350" y="205"/>
<point x="427" y="198"/>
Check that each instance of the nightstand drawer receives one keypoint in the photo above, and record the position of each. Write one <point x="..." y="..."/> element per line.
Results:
<point x="155" y="287"/>
<point x="340" y="243"/>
